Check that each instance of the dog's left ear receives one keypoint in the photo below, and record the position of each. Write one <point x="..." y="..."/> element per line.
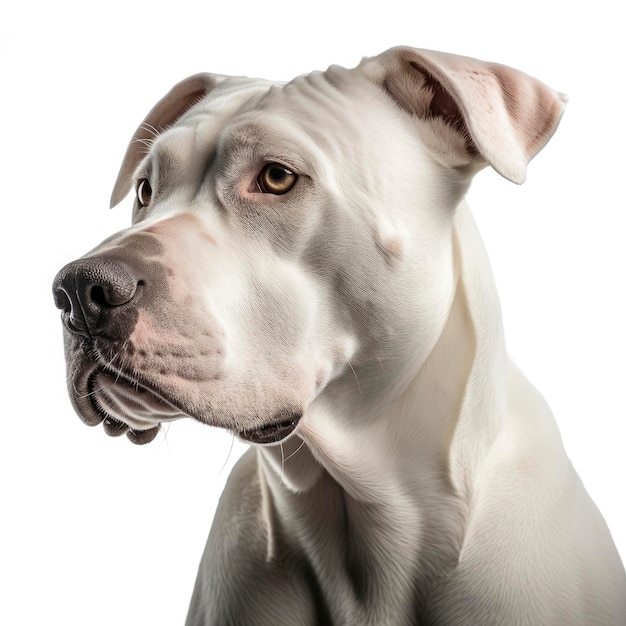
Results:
<point x="164" y="113"/>
<point x="505" y="116"/>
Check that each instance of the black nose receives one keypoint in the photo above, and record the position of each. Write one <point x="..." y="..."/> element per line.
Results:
<point x="89" y="291"/>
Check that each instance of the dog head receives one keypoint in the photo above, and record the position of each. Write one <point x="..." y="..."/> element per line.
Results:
<point x="286" y="235"/>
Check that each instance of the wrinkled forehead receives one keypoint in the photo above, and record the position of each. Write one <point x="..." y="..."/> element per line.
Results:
<point x="232" y="95"/>
<point x="315" y="92"/>
<point x="200" y="125"/>
<point x="314" y="109"/>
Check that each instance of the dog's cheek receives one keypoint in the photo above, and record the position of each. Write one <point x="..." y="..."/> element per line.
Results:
<point x="284" y="223"/>
<point x="167" y="347"/>
<point x="288" y="319"/>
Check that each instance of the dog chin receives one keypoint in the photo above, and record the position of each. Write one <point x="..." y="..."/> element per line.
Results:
<point x="277" y="431"/>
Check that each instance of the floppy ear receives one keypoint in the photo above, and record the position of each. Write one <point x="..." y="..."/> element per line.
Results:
<point x="165" y="112"/>
<point x="505" y="116"/>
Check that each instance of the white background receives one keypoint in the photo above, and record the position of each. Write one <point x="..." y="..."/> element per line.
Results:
<point x="98" y="531"/>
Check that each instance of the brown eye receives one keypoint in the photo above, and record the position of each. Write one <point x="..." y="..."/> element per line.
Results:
<point x="144" y="192"/>
<point x="276" y="178"/>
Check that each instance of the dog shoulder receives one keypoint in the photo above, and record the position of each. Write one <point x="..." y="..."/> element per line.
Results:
<point x="536" y="550"/>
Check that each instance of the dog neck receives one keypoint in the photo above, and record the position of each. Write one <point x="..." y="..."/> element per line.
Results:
<point x="359" y="487"/>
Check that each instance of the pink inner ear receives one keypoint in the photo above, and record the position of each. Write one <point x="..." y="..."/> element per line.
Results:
<point x="443" y="105"/>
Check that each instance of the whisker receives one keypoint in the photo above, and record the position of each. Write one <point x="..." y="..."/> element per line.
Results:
<point x="294" y="452"/>
<point x="150" y="129"/>
<point x="355" y="377"/>
<point x="232" y="443"/>
<point x="86" y="395"/>
<point x="380" y="354"/>
<point x="282" y="463"/>
<point x="145" y="142"/>
<point x="165" y="430"/>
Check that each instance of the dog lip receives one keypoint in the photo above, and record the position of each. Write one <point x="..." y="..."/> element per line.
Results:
<point x="271" y="433"/>
<point x="114" y="426"/>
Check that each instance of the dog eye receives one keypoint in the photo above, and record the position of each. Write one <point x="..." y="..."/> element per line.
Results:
<point x="276" y="179"/>
<point x="144" y="192"/>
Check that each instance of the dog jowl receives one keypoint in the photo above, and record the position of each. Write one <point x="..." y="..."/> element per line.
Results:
<point x="302" y="270"/>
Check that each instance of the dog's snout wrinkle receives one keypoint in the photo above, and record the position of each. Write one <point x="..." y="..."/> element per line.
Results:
<point x="84" y="289"/>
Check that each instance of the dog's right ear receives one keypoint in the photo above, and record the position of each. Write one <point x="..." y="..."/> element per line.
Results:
<point x="176" y="102"/>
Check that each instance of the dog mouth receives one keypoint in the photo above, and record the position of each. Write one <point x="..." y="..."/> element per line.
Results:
<point x="272" y="433"/>
<point x="127" y="407"/>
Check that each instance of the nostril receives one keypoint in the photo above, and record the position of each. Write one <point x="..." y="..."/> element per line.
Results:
<point x="114" y="294"/>
<point x="62" y="301"/>
<point x="97" y="296"/>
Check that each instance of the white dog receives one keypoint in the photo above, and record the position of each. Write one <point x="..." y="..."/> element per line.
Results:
<point x="302" y="270"/>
